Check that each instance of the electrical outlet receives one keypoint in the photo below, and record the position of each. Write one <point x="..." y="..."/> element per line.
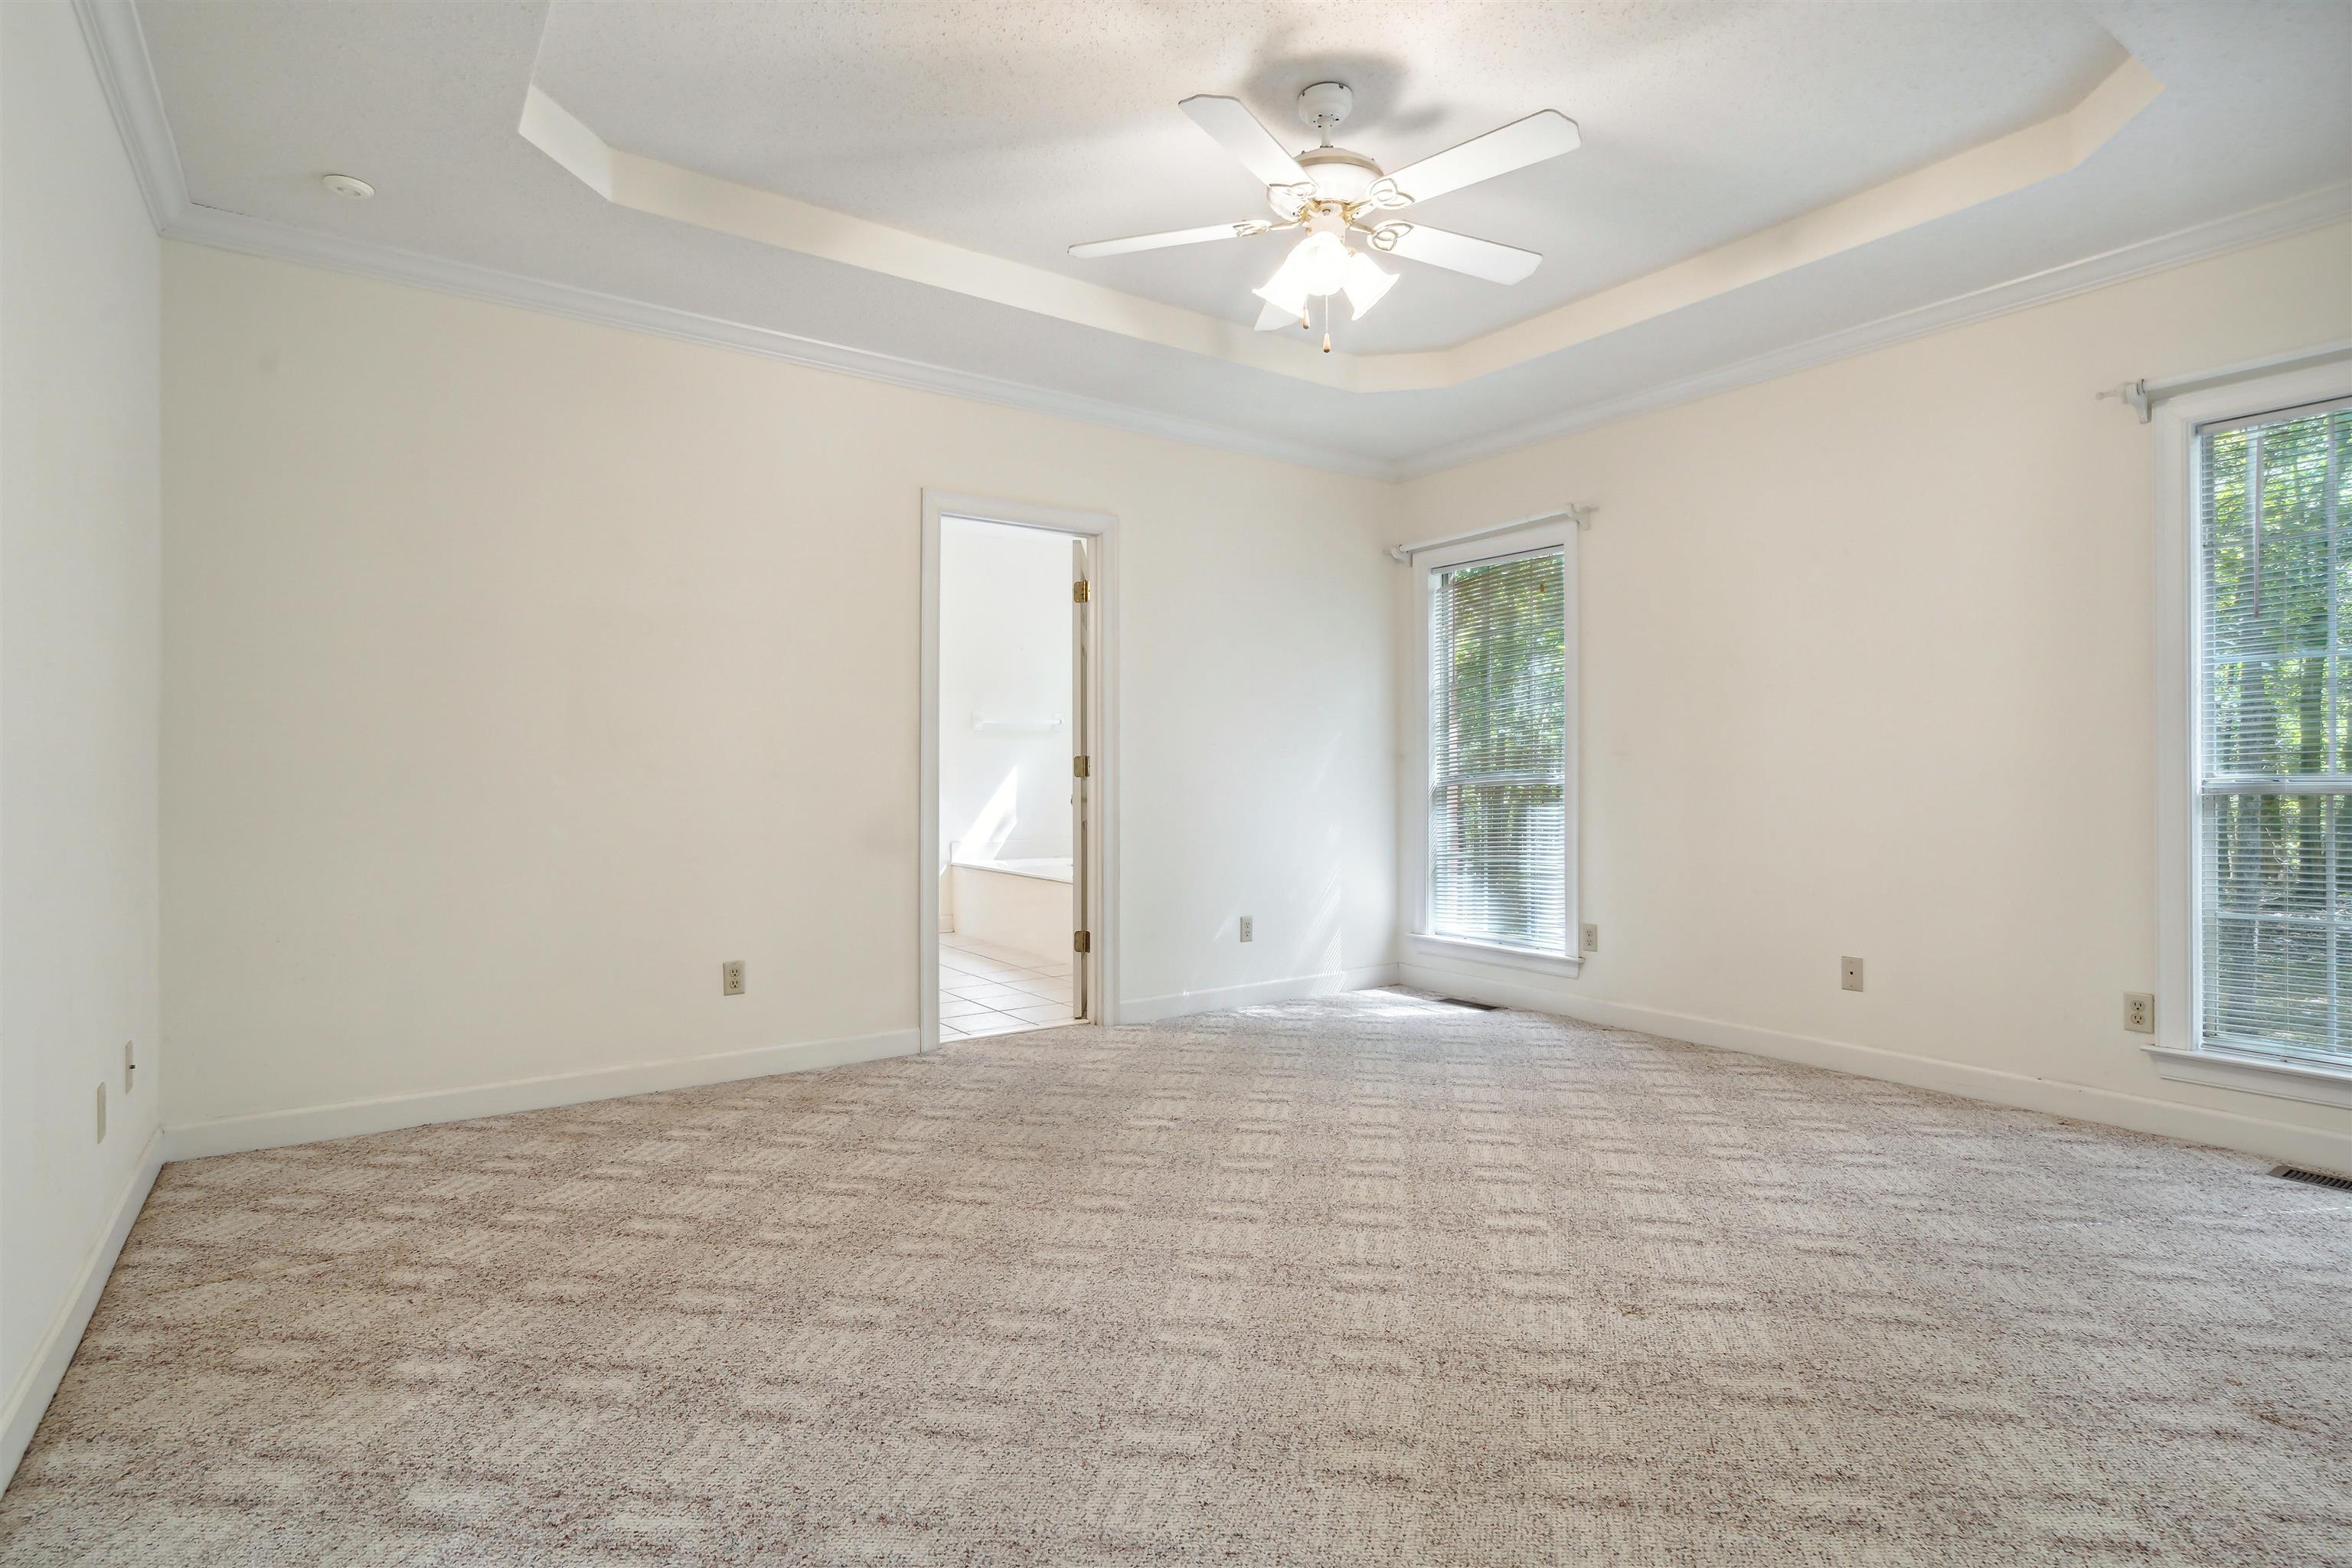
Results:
<point x="1850" y="974"/>
<point x="1249" y="929"/>
<point x="1591" y="940"/>
<point x="130" y="1065"/>
<point x="102" y="1113"/>
<point x="2139" y="1012"/>
<point x="731" y="978"/>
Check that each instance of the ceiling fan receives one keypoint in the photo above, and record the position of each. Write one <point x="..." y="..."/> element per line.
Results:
<point x="1332" y="194"/>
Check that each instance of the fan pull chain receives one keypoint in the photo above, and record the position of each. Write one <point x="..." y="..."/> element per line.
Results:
<point x="1327" y="323"/>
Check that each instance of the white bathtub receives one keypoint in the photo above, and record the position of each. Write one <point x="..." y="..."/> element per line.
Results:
<point x="1022" y="904"/>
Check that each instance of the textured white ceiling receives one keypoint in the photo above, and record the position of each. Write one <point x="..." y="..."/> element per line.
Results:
<point x="1018" y="129"/>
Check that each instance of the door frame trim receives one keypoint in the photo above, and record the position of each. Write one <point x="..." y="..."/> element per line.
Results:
<point x="1102" y="728"/>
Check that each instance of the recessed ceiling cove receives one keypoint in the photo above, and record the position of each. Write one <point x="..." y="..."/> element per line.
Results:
<point x="2010" y="163"/>
<point x="897" y="189"/>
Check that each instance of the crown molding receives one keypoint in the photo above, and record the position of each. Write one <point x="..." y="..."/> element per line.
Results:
<point x="681" y="194"/>
<point x="2281" y="220"/>
<point x="257" y="237"/>
<point x="119" y="50"/>
<point x="1966" y="179"/>
<point x="118" y="47"/>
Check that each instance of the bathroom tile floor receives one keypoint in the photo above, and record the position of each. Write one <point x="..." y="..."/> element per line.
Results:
<point x="985" y="989"/>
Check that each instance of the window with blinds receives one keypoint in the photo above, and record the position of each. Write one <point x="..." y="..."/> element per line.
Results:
<point x="1497" y="870"/>
<point x="2275" y="735"/>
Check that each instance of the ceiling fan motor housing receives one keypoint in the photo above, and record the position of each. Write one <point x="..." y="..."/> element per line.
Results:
<point x="1325" y="105"/>
<point x="1339" y="175"/>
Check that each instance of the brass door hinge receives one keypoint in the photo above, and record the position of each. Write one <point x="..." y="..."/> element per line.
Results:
<point x="1082" y="767"/>
<point x="1082" y="941"/>
<point x="1078" y="592"/>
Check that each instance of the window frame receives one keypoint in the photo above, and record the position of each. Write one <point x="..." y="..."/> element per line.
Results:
<point x="2179" y="1051"/>
<point x="1558" y="533"/>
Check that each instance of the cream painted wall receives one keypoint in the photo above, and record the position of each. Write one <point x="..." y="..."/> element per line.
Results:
<point x="489" y="724"/>
<point x="519" y="671"/>
<point x="1004" y="651"/>
<point x="79" y="538"/>
<point x="1868" y="668"/>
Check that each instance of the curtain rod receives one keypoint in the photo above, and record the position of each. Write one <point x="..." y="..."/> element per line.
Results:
<point x="2142" y="396"/>
<point x="1581" y="515"/>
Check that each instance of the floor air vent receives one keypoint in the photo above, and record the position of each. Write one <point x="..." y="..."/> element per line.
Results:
<point x="2315" y="1178"/>
<point x="1490" y="1007"/>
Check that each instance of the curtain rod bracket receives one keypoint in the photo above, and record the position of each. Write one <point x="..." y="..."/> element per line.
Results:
<point x="2131" y="395"/>
<point x="2142" y="396"/>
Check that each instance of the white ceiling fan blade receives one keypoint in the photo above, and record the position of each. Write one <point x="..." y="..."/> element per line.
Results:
<point x="1168" y="238"/>
<point x="1238" y="131"/>
<point x="1547" y="133"/>
<point x="1459" y="252"/>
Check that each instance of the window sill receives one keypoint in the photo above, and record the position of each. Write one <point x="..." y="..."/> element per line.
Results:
<point x="1460" y="952"/>
<point x="2254" y="1075"/>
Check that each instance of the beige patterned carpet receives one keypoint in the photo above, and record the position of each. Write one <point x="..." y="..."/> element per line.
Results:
<point x="1367" y="1280"/>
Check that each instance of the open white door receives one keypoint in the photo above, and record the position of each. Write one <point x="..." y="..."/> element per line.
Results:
<point x="1093" y="731"/>
<point x="1081" y="781"/>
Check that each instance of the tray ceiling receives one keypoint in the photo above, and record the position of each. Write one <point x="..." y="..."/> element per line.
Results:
<point x="1010" y="133"/>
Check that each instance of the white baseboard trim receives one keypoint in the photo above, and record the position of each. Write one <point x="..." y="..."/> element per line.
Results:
<point x="30" y="1398"/>
<point x="278" y="1129"/>
<point x="2169" y="1119"/>
<point x="1152" y="1009"/>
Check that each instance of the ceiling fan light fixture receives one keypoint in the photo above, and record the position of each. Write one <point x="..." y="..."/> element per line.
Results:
<point x="1331" y="191"/>
<point x="1288" y="286"/>
<point x="1320" y="264"/>
<point x="1366" y="284"/>
<point x="1283" y="292"/>
<point x="1323" y="264"/>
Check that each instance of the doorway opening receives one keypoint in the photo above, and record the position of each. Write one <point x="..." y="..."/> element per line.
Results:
<point x="1016" y="771"/>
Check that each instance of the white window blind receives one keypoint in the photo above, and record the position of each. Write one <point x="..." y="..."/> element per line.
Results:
<point x="2274" y="735"/>
<point x="1497" y="752"/>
